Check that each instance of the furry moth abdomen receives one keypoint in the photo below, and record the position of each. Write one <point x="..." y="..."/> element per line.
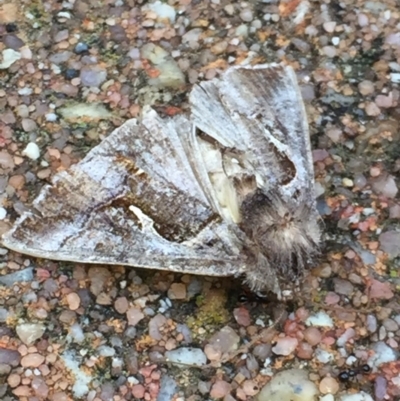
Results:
<point x="227" y="190"/>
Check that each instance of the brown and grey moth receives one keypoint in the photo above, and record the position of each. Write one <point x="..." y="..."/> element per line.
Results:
<point x="226" y="190"/>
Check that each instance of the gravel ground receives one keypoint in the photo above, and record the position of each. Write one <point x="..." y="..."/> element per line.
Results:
<point x="72" y="71"/>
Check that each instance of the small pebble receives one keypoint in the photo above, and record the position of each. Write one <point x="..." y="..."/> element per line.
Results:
<point x="13" y="42"/>
<point x="71" y="73"/>
<point x="361" y="396"/>
<point x="375" y="171"/>
<point x="212" y="353"/>
<point x="381" y="290"/>
<point x="242" y="316"/>
<point x="285" y="346"/>
<point x="328" y="385"/>
<point x="121" y="305"/>
<point x="220" y="389"/>
<point x="250" y="388"/>
<point x="363" y="19"/>
<point x="329" y="26"/>
<point x="304" y="351"/>
<point x="262" y="351"/>
<point x="323" y="356"/>
<point x="380" y="388"/>
<point x="177" y="291"/>
<point x="9" y="57"/>
<point x="382" y="354"/>
<point x="372" y="323"/>
<point x="134" y="316"/>
<point x="81" y="48"/>
<point x="138" y="391"/>
<point x="312" y="335"/>
<point x="3" y="213"/>
<point x="383" y="101"/>
<point x="394" y="212"/>
<point x="30" y="332"/>
<point x="329" y="51"/>
<point x="385" y="185"/>
<point x="33" y="360"/>
<point x="366" y="87"/>
<point x="332" y="298"/>
<point x="343" y="287"/>
<point x="32" y="151"/>
<point x="73" y="301"/>
<point x="320" y="319"/>
<point x="93" y="76"/>
<point x="372" y="109"/>
<point x="226" y="340"/>
<point x="155" y="324"/>
<point x="246" y="15"/>
<point x="187" y="356"/>
<point x="347" y="182"/>
<point x="61" y="35"/>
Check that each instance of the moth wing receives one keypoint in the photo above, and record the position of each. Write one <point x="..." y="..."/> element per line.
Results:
<point x="133" y="200"/>
<point x="255" y="118"/>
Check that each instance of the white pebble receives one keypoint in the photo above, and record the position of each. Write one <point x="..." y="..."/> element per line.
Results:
<point x="256" y="24"/>
<point x="246" y="15"/>
<point x="51" y="117"/>
<point x="132" y="380"/>
<point x="320" y="319"/>
<point x="229" y="9"/>
<point x="311" y="30"/>
<point x="275" y="17"/>
<point x="329" y="26"/>
<point x="395" y="77"/>
<point x="163" y="10"/>
<point x="347" y="182"/>
<point x="242" y="30"/>
<point x="3" y="213"/>
<point x="356" y="397"/>
<point x="9" y="57"/>
<point x="363" y="20"/>
<point x="76" y="333"/>
<point x="25" y="91"/>
<point x="327" y="397"/>
<point x="323" y="356"/>
<point x="64" y="14"/>
<point x="187" y="356"/>
<point x="26" y="53"/>
<point x="105" y="350"/>
<point x="32" y="151"/>
<point x="351" y="360"/>
<point x="383" y="354"/>
<point x="329" y="51"/>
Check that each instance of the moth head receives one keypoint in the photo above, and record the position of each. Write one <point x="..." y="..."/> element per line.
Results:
<point x="286" y="233"/>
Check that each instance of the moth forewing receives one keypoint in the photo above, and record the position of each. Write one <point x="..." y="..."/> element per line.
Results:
<point x="258" y="114"/>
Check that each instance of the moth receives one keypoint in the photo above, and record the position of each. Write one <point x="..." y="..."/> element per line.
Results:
<point x="226" y="190"/>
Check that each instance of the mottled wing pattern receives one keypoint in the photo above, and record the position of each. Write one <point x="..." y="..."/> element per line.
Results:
<point x="179" y="194"/>
<point x="133" y="200"/>
<point x="255" y="119"/>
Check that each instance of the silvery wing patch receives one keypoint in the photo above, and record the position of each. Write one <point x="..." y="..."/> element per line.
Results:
<point x="227" y="190"/>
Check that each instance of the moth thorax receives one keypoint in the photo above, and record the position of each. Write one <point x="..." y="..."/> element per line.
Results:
<point x="286" y="235"/>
